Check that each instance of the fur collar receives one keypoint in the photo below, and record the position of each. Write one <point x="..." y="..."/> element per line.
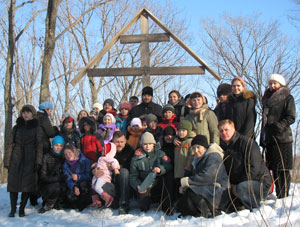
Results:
<point x="33" y="123"/>
<point x="246" y="95"/>
<point x="280" y="95"/>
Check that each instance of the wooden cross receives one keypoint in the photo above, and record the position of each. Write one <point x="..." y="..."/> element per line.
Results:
<point x="144" y="38"/>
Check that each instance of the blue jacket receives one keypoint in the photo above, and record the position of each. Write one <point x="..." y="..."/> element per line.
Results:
<point x="83" y="171"/>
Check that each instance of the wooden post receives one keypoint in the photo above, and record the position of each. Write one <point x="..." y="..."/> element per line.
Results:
<point x="144" y="49"/>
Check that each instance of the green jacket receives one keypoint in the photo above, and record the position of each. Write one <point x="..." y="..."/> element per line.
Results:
<point x="143" y="163"/>
<point x="205" y="123"/>
<point x="182" y="156"/>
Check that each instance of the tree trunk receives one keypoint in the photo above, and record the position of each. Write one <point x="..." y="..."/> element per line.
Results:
<point x="49" y="48"/>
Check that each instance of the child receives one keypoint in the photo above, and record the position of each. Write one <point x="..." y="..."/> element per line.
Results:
<point x="94" y="115"/>
<point x="122" y="117"/>
<point x="23" y="158"/>
<point x="169" y="117"/>
<point x="77" y="171"/>
<point x="153" y="128"/>
<point x="51" y="176"/>
<point x="135" y="131"/>
<point x="107" y="129"/>
<point x="91" y="142"/>
<point x="68" y="131"/>
<point x="107" y="163"/>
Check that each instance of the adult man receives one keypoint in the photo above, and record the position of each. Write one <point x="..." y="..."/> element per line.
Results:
<point x="249" y="177"/>
<point x="147" y="106"/>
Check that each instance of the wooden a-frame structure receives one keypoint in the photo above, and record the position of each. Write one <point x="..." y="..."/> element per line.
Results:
<point x="145" y="70"/>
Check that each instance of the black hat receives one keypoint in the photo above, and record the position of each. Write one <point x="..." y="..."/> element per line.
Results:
<point x="223" y="89"/>
<point x="147" y="91"/>
<point x="169" y="130"/>
<point x="109" y="101"/>
<point x="200" y="140"/>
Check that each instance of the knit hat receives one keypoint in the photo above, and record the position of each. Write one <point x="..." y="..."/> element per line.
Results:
<point x="136" y="121"/>
<point x="125" y="105"/>
<point x="278" y="78"/>
<point x="169" y="130"/>
<point x="150" y="117"/>
<point x="185" y="124"/>
<point x="168" y="107"/>
<point x="46" y="105"/>
<point x="239" y="79"/>
<point x="57" y="140"/>
<point x="97" y="105"/>
<point x="28" y="108"/>
<point x="113" y="119"/>
<point x="147" y="91"/>
<point x="68" y="119"/>
<point x="200" y="140"/>
<point x="109" y="101"/>
<point x="147" y="137"/>
<point x="224" y="89"/>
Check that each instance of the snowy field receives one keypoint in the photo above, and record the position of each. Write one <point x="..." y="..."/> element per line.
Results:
<point x="284" y="212"/>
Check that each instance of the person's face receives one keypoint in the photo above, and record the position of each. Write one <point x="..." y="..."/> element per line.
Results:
<point x="169" y="138"/>
<point x="198" y="150"/>
<point x="120" y="143"/>
<point x="27" y="115"/>
<point x="135" y="128"/>
<point x="107" y="107"/>
<point x="58" y="147"/>
<point x="182" y="133"/>
<point x="68" y="125"/>
<point x="274" y="85"/>
<point x="86" y="127"/>
<point x="124" y="112"/>
<point x="237" y="87"/>
<point x="222" y="98"/>
<point x="107" y="120"/>
<point x="226" y="132"/>
<point x="173" y="98"/>
<point x="153" y="125"/>
<point x="147" y="98"/>
<point x="197" y="102"/>
<point x="133" y="102"/>
<point x="188" y="102"/>
<point x="96" y="109"/>
<point x="48" y="111"/>
<point x="69" y="155"/>
<point x="82" y="114"/>
<point x="94" y="116"/>
<point x="148" y="147"/>
<point x="168" y="114"/>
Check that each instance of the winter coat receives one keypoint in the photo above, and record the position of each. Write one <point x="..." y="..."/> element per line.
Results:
<point x="48" y="131"/>
<point x="106" y="132"/>
<point x="168" y="122"/>
<point x="183" y="156"/>
<point x="107" y="164"/>
<point x="208" y="177"/>
<point x="243" y="161"/>
<point x="179" y="107"/>
<point x="72" y="137"/>
<point x="146" y="108"/>
<point x="242" y="112"/>
<point x="24" y="152"/>
<point x="51" y="170"/>
<point x="205" y="122"/>
<point x="82" y="171"/>
<point x="134" y="137"/>
<point x="169" y="149"/>
<point x="121" y="123"/>
<point x="144" y="162"/>
<point x="124" y="157"/>
<point x="222" y="112"/>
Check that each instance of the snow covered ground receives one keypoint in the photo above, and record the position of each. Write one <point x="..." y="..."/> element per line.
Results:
<point x="284" y="212"/>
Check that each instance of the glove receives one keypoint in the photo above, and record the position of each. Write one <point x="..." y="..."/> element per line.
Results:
<point x="184" y="182"/>
<point x="37" y="168"/>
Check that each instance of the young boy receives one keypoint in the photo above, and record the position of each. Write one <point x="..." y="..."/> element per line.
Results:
<point x="153" y="128"/>
<point x="169" y="117"/>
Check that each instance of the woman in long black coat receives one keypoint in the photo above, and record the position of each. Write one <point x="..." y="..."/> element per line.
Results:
<point x="279" y="113"/>
<point x="22" y="158"/>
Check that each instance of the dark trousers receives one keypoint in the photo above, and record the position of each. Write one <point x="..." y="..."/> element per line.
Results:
<point x="84" y="198"/>
<point x="122" y="187"/>
<point x="282" y="180"/>
<point x="14" y="198"/>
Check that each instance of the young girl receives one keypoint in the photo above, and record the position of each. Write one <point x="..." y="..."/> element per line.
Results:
<point x="69" y="132"/>
<point x="77" y="171"/>
<point x="122" y="117"/>
<point x="107" y="129"/>
<point x="135" y="131"/>
<point x="23" y="158"/>
<point x="51" y="176"/>
<point x="107" y="163"/>
<point x="169" y="117"/>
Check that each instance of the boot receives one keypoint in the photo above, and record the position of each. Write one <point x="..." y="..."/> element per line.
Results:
<point x="107" y="198"/>
<point x="48" y="206"/>
<point x="33" y="197"/>
<point x="13" y="203"/>
<point x="24" y="199"/>
<point x="95" y="201"/>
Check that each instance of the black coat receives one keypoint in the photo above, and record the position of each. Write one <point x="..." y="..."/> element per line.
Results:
<point x="146" y="108"/>
<point x="48" y="131"/>
<point x="24" y="152"/>
<point x="51" y="170"/>
<point x="222" y="112"/>
<point x="72" y="137"/>
<point x="124" y="157"/>
<point x="243" y="161"/>
<point x="242" y="112"/>
<point x="180" y="110"/>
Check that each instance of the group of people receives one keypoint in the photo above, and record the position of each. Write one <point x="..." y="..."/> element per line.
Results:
<point x="183" y="156"/>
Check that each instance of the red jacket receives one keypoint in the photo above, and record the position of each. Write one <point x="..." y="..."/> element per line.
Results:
<point x="91" y="147"/>
<point x="168" y="122"/>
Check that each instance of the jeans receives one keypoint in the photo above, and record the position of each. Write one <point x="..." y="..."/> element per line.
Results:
<point x="122" y="186"/>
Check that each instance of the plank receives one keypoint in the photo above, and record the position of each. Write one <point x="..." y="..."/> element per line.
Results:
<point x="156" y="37"/>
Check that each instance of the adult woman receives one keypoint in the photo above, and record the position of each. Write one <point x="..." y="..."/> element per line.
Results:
<point x="241" y="107"/>
<point x="278" y="114"/>
<point x="177" y="102"/>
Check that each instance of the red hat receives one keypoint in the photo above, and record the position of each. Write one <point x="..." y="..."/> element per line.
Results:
<point x="125" y="105"/>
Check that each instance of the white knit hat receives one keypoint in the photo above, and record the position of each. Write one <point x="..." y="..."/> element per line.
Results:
<point x="113" y="119"/>
<point x="98" y="105"/>
<point x="147" y="137"/>
<point x="277" y="77"/>
<point x="136" y="121"/>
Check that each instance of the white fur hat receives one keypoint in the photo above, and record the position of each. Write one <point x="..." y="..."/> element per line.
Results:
<point x="136" y="121"/>
<point x="98" y="105"/>
<point x="113" y="119"/>
<point x="277" y="77"/>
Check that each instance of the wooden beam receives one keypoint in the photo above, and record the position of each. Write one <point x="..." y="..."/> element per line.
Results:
<point x="144" y="49"/>
<point x="157" y="37"/>
<point x="176" y="70"/>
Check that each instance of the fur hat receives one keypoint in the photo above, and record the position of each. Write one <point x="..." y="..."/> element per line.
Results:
<point x="150" y="117"/>
<point x="169" y="130"/>
<point x="200" y="140"/>
<point x="28" y="108"/>
<point x="125" y="105"/>
<point x="168" y="107"/>
<point x="185" y="124"/>
<point x="136" y="121"/>
<point x="110" y="102"/>
<point x="224" y="89"/>
<point x="97" y="105"/>
<point x="239" y="79"/>
<point x="113" y="119"/>
<point x="147" y="137"/>
<point x="278" y="78"/>
<point x="147" y="91"/>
